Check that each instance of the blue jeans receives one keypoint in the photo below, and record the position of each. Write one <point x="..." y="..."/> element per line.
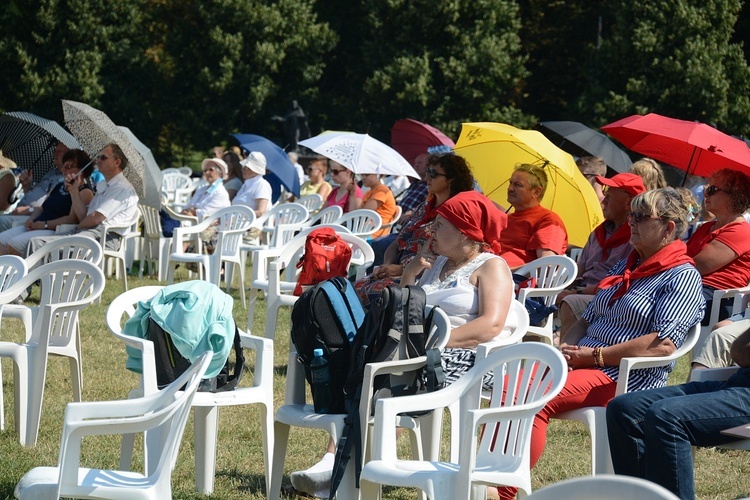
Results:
<point x="651" y="432"/>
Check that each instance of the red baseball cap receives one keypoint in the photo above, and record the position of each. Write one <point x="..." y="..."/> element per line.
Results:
<point x="630" y="183"/>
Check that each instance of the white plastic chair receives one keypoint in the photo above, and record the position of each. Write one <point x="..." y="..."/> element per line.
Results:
<point x="312" y="202"/>
<point x="363" y="222"/>
<point x="553" y="274"/>
<point x="154" y="239"/>
<point x="296" y="413"/>
<point x="738" y="294"/>
<point x="280" y="290"/>
<point x="12" y="269"/>
<point x="530" y="374"/>
<point x="604" y="487"/>
<point x="233" y="222"/>
<point x="129" y="231"/>
<point x="186" y="171"/>
<point x="595" y="417"/>
<point x="67" y="288"/>
<point x="206" y="404"/>
<point x="161" y="415"/>
<point x="171" y="183"/>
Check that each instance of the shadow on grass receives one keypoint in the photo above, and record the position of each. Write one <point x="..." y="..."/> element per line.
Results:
<point x="280" y="370"/>
<point x="251" y="484"/>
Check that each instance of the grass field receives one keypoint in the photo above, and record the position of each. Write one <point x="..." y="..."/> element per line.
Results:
<point x="720" y="474"/>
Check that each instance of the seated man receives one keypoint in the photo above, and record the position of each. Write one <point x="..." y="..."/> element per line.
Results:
<point x="607" y="245"/>
<point x="533" y="231"/>
<point x="115" y="202"/>
<point x="34" y="195"/>
<point x="652" y="432"/>
<point x="714" y="353"/>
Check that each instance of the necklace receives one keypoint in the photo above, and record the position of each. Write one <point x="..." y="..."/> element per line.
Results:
<point x="449" y="267"/>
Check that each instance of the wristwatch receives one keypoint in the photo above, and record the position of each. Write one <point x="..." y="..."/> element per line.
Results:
<point x="46" y="226"/>
<point x="31" y="210"/>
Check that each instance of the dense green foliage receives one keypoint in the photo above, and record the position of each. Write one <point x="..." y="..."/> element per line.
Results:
<point x="183" y="74"/>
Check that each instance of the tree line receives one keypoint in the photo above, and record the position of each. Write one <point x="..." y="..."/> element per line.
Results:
<point x="183" y="74"/>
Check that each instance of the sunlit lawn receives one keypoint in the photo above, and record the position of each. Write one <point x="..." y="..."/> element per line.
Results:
<point x="239" y="464"/>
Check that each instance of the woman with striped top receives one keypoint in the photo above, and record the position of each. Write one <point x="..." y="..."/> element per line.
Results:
<point x="644" y="307"/>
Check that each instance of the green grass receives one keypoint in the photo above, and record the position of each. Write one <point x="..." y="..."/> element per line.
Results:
<point x="720" y="474"/>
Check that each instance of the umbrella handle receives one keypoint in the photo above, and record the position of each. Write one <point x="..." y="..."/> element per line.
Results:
<point x="84" y="168"/>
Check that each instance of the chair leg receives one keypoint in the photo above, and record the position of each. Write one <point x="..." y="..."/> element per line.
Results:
<point x="76" y="378"/>
<point x="206" y="425"/>
<point x="272" y="314"/>
<point x="266" y="424"/>
<point x="281" y="437"/>
<point x="2" y="404"/>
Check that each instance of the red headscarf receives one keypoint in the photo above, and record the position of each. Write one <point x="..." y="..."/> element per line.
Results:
<point x="476" y="217"/>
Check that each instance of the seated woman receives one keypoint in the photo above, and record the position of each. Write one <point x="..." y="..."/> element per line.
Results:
<point x="465" y="278"/>
<point x="213" y="196"/>
<point x="447" y="175"/>
<point x="57" y="209"/>
<point x="347" y="194"/>
<point x="256" y="191"/>
<point x="645" y="307"/>
<point x="234" y="180"/>
<point x="378" y="199"/>
<point x="316" y="172"/>
<point x="721" y="248"/>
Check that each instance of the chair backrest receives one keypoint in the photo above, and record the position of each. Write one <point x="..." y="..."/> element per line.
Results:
<point x="552" y="273"/>
<point x="72" y="247"/>
<point x="311" y="202"/>
<point x="67" y="287"/>
<point x="327" y="215"/>
<point x="394" y="219"/>
<point x="12" y="269"/>
<point x="280" y="218"/>
<point x="234" y="221"/>
<point x="362" y="222"/>
<point x="151" y="222"/>
<point x="175" y="180"/>
<point x="603" y="487"/>
<point x="186" y="171"/>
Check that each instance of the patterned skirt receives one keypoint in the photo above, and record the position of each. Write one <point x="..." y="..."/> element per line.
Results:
<point x="456" y="361"/>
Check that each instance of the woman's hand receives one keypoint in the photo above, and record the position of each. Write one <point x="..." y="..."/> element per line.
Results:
<point x="577" y="357"/>
<point x="29" y="225"/>
<point x="72" y="182"/>
<point x="387" y="271"/>
<point x="423" y="260"/>
<point x="352" y="187"/>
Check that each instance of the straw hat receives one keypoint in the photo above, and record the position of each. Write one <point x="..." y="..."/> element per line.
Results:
<point x="6" y="162"/>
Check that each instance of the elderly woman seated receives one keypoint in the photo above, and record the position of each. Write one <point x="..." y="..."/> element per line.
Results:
<point x="464" y="276"/>
<point x="645" y="307"/>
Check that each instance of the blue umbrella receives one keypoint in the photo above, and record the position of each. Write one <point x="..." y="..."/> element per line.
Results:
<point x="280" y="171"/>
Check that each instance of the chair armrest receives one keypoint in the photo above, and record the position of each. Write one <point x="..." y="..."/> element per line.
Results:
<point x="713" y="374"/>
<point x="640" y="362"/>
<point x="185" y="220"/>
<point x="263" y="370"/>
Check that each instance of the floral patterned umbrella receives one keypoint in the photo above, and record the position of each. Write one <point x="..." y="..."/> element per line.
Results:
<point x="94" y="130"/>
<point x="30" y="140"/>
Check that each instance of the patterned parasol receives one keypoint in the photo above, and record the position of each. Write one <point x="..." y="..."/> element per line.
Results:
<point x="94" y="130"/>
<point x="30" y="140"/>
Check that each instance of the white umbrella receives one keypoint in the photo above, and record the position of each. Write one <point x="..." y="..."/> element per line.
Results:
<point x="94" y="130"/>
<point x="360" y="153"/>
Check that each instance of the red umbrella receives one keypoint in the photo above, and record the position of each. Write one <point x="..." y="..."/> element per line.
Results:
<point x="691" y="146"/>
<point x="411" y="138"/>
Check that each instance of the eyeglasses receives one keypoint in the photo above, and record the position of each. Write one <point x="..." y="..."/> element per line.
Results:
<point x="337" y="172"/>
<point x="638" y="218"/>
<point x="432" y="173"/>
<point x="712" y="190"/>
<point x="104" y="157"/>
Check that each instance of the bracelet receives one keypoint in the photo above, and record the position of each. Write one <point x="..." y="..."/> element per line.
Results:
<point x="599" y="357"/>
<point x="596" y="357"/>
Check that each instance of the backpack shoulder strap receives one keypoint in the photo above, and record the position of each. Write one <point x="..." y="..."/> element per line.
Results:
<point x="239" y="364"/>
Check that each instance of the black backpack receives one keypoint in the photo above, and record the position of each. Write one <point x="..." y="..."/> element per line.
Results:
<point x="327" y="316"/>
<point x="170" y="364"/>
<point x="394" y="328"/>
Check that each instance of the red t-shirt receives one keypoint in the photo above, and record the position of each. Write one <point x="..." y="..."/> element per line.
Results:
<point x="528" y="231"/>
<point x="735" y="235"/>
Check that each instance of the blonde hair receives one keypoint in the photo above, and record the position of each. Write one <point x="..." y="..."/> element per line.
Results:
<point x="538" y="176"/>
<point x="651" y="173"/>
<point x="666" y="204"/>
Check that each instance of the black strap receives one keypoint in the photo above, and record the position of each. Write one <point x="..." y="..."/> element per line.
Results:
<point x="350" y="436"/>
<point x="239" y="364"/>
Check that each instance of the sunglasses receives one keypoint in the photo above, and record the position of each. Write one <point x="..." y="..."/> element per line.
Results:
<point x="336" y="172"/>
<point x="638" y="218"/>
<point x="104" y="157"/>
<point x="432" y="173"/>
<point x="712" y="190"/>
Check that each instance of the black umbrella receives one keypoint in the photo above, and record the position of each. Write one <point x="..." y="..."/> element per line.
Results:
<point x="580" y="140"/>
<point x="30" y="140"/>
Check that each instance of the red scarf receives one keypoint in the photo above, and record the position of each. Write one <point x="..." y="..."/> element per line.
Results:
<point x="668" y="257"/>
<point x="620" y="236"/>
